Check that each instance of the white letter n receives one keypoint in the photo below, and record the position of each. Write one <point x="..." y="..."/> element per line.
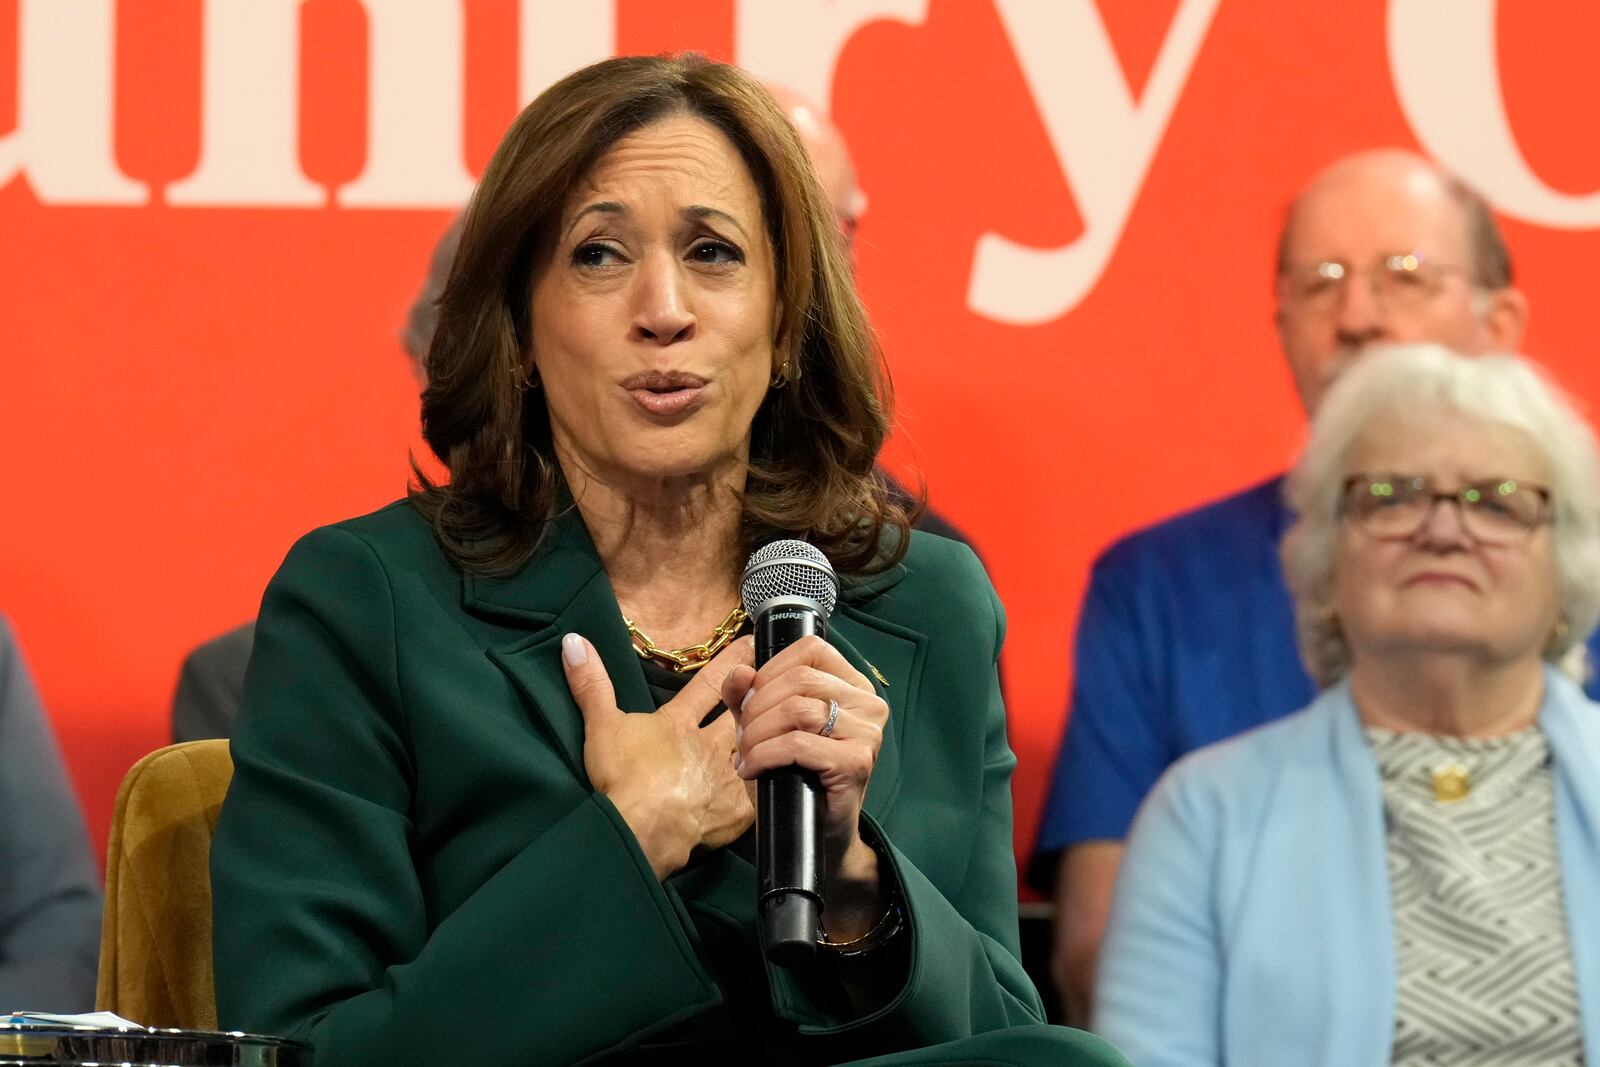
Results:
<point x="250" y="125"/>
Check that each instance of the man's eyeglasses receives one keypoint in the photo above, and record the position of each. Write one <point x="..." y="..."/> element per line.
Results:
<point x="1403" y="282"/>
<point x="1496" y="511"/>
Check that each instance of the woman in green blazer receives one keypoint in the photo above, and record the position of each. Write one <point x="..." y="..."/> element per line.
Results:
<point x="445" y="841"/>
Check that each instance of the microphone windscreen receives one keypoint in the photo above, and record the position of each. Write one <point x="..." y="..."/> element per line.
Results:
<point x="785" y="569"/>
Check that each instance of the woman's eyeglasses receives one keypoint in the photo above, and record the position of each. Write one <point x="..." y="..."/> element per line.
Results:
<point x="1496" y="511"/>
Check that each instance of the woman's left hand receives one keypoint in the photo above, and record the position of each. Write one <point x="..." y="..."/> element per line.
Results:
<point x="784" y="707"/>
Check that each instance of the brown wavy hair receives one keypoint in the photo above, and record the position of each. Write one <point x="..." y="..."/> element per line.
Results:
<point x="813" y="443"/>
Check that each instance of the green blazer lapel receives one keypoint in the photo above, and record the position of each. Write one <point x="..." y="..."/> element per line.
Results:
<point x="562" y="590"/>
<point x="891" y="657"/>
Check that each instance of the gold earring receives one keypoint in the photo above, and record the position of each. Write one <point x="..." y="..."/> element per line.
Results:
<point x="1558" y="633"/>
<point x="781" y="377"/>
<point x="1330" y="622"/>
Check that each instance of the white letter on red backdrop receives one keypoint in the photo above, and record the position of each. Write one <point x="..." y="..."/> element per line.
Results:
<point x="797" y="43"/>
<point x="416" y="70"/>
<point x="1447" y="76"/>
<point x="559" y="36"/>
<point x="1103" y="140"/>
<point x="64" y="135"/>
<point x="249" y="131"/>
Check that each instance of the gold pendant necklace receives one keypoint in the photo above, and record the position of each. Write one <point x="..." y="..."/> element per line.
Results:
<point x="1451" y="782"/>
<point x="691" y="657"/>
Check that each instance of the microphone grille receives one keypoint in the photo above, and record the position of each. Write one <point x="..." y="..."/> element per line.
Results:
<point x="789" y="568"/>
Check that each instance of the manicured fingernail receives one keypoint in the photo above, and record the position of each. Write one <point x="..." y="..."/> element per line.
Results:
<point x="574" y="650"/>
<point x="738" y="764"/>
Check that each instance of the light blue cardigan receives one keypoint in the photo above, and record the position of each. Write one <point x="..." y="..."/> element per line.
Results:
<point x="1252" y="923"/>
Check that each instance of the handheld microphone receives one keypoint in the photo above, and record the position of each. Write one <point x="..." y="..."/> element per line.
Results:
<point x="789" y="590"/>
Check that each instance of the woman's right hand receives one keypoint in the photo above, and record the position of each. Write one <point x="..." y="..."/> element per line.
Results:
<point x="672" y="781"/>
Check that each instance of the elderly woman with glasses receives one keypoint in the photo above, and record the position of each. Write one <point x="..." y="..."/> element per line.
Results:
<point x="1405" y="871"/>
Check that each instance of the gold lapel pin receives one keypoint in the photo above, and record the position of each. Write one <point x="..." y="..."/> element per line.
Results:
<point x="876" y="673"/>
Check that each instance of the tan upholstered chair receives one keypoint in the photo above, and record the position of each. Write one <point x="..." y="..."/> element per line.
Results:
<point x="155" y="944"/>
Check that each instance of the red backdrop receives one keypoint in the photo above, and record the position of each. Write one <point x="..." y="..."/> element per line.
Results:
<point x="213" y="215"/>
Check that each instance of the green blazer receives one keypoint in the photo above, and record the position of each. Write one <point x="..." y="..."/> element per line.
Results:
<point x="411" y="865"/>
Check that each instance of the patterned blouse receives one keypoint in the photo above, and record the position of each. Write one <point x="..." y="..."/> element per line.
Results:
<point x="1483" y="956"/>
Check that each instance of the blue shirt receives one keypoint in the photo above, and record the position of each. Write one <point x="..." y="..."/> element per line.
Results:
<point x="1186" y="637"/>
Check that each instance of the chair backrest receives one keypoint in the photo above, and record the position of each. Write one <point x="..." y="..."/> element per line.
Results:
<point x="155" y="943"/>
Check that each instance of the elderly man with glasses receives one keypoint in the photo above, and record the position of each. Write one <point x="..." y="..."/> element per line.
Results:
<point x="1186" y="634"/>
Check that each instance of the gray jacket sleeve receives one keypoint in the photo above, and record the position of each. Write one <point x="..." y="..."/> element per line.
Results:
<point x="49" y="883"/>
<point x="211" y="685"/>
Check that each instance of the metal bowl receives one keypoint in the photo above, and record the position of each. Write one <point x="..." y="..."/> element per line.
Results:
<point x="36" y="1043"/>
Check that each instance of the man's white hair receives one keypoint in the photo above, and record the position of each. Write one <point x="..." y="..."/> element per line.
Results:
<point x="1405" y="381"/>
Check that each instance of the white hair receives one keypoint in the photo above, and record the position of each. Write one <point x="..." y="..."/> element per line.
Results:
<point x="1405" y="380"/>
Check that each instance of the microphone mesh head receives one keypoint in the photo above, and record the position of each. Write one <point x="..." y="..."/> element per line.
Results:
<point x="789" y="568"/>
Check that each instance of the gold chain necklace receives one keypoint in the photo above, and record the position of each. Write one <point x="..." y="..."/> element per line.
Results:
<point x="692" y="657"/>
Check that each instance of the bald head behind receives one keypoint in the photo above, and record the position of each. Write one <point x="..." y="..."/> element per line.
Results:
<point x="1398" y="172"/>
<point x="1386" y="246"/>
<point x="829" y="153"/>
